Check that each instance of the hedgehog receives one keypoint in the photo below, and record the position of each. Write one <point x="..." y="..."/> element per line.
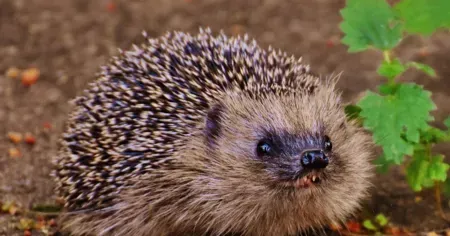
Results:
<point x="207" y="134"/>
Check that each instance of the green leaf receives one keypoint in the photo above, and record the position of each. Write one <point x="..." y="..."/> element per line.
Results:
<point x="433" y="135"/>
<point x="381" y="220"/>
<point x="424" y="68"/>
<point x="438" y="169"/>
<point x="369" y="225"/>
<point x="428" y="183"/>
<point x="424" y="16"/>
<point x="424" y="170"/>
<point x="369" y="23"/>
<point x="388" y="88"/>
<point x="406" y="112"/>
<point x="447" y="122"/>
<point x="352" y="111"/>
<point x="446" y="187"/>
<point x="416" y="172"/>
<point x="6" y="206"/>
<point x="392" y="69"/>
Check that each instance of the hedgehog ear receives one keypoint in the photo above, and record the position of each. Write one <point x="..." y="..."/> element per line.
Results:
<point x="213" y="126"/>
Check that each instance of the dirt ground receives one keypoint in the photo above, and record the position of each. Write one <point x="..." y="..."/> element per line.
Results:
<point x="67" y="40"/>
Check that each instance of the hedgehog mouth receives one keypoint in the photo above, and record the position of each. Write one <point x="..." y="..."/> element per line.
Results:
<point x="303" y="180"/>
<point x="306" y="180"/>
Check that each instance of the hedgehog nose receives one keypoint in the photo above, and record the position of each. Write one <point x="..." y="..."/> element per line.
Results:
<point x="314" y="159"/>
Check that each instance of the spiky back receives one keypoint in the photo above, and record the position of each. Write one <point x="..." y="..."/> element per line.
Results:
<point x="131" y="120"/>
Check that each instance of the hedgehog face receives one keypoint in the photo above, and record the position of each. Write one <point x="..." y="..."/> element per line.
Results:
<point x="296" y="153"/>
<point x="290" y="141"/>
<point x="295" y="159"/>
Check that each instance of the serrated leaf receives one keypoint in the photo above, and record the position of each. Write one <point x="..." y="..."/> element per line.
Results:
<point x="438" y="169"/>
<point x="352" y="111"/>
<point x="424" y="16"/>
<point x="369" y="225"/>
<point x="447" y="122"/>
<point x="422" y="67"/>
<point x="416" y="172"/>
<point x="405" y="112"/>
<point x="433" y="135"/>
<point x="424" y="170"/>
<point x="391" y="69"/>
<point x="369" y="23"/>
<point x="381" y="220"/>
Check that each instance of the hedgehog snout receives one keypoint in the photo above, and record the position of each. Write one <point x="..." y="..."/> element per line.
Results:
<point x="314" y="159"/>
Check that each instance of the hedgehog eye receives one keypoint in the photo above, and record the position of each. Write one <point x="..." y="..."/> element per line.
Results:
<point x="263" y="148"/>
<point x="327" y="144"/>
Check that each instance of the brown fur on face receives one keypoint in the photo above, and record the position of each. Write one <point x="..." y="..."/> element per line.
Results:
<point x="217" y="184"/>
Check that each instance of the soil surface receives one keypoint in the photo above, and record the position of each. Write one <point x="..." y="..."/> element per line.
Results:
<point x="67" y="40"/>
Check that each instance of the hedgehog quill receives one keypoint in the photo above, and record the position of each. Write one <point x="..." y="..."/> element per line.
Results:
<point x="209" y="135"/>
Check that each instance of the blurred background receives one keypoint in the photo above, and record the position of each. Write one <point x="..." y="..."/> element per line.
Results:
<point x="62" y="44"/>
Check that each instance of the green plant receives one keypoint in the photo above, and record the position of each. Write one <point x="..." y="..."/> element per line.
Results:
<point x="398" y="114"/>
<point x="377" y="224"/>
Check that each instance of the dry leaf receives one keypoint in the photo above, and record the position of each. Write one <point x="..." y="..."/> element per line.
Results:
<point x="14" y="152"/>
<point x="12" y="72"/>
<point x="15" y="137"/>
<point x="30" y="76"/>
<point x="29" y="138"/>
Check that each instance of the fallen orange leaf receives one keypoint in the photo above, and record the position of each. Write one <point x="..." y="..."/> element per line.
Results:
<point x="354" y="226"/>
<point x="30" y="139"/>
<point x="15" y="137"/>
<point x="393" y="231"/>
<point x="12" y="72"/>
<point x="30" y="76"/>
<point x="14" y="152"/>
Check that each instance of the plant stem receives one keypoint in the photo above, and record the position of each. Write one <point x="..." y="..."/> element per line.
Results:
<point x="437" y="187"/>
<point x="437" y="192"/>
<point x="387" y="56"/>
